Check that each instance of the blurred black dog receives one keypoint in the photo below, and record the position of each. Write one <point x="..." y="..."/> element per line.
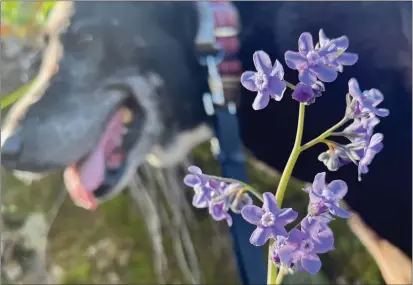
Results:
<point x="129" y="86"/>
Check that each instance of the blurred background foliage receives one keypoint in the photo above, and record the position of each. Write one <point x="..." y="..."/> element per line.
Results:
<point x="75" y="237"/>
<point x="24" y="18"/>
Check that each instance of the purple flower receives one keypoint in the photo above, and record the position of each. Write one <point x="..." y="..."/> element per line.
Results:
<point x="301" y="247"/>
<point x="325" y="198"/>
<point x="239" y="202"/>
<point x="270" y="220"/>
<point x="200" y="183"/>
<point x="196" y="177"/>
<point x="220" y="201"/>
<point x="215" y="195"/>
<point x="339" y="155"/>
<point x="219" y="212"/>
<point x="361" y="128"/>
<point x="268" y="80"/>
<point x="335" y="157"/>
<point x="277" y="245"/>
<point x="303" y="93"/>
<point x="366" y="101"/>
<point x="337" y="60"/>
<point x="374" y="147"/>
<point x="318" y="88"/>
<point x="310" y="63"/>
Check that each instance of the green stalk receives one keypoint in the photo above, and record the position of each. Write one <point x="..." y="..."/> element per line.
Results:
<point x="324" y="135"/>
<point x="280" y="276"/>
<point x="272" y="277"/>
<point x="272" y="269"/>
<point x="282" y="186"/>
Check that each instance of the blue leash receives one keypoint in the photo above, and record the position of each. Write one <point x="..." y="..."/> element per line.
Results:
<point x="251" y="260"/>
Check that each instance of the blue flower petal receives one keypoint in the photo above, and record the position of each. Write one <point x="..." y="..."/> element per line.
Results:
<point x="375" y="140"/>
<point x="338" y="189"/>
<point x="295" y="60"/>
<point x="341" y="42"/>
<point x="354" y="89"/>
<point x="260" y="236"/>
<point x="278" y="70"/>
<point x="200" y="201"/>
<point x="306" y="77"/>
<point x="382" y="112"/>
<point x="311" y="263"/>
<point x="195" y="169"/>
<point x="339" y="212"/>
<point x="191" y="180"/>
<point x="278" y="230"/>
<point x="287" y="253"/>
<point x="324" y="242"/>
<point x="319" y="183"/>
<point x="261" y="100"/>
<point x="376" y="95"/>
<point x="248" y="80"/>
<point x="252" y="214"/>
<point x="276" y="88"/>
<point x="324" y="73"/>
<point x="270" y="203"/>
<point x="286" y="216"/>
<point x="348" y="58"/>
<point x="262" y="62"/>
<point x="296" y="237"/>
<point x="305" y="43"/>
<point x="322" y="38"/>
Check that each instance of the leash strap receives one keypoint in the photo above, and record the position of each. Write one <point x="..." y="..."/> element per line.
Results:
<point x="218" y="45"/>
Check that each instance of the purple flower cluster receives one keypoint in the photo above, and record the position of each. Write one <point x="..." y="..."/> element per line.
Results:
<point x="299" y="248"/>
<point x="294" y="249"/>
<point x="364" y="144"/>
<point x="315" y="64"/>
<point x="216" y="195"/>
<point x="321" y="62"/>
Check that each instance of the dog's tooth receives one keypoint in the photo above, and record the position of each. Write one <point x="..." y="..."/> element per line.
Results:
<point x="124" y="131"/>
<point x="127" y="115"/>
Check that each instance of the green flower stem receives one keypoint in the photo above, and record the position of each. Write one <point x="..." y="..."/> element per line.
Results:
<point x="272" y="277"/>
<point x="285" y="177"/>
<point x="324" y="135"/>
<point x="289" y="85"/>
<point x="272" y="269"/>
<point x="280" y="276"/>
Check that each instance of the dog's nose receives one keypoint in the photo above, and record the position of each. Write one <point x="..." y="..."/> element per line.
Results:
<point x="11" y="149"/>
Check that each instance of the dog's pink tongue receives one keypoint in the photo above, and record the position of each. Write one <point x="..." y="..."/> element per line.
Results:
<point x="81" y="180"/>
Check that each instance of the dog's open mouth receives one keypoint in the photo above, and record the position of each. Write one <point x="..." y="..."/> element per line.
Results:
<point x="96" y="174"/>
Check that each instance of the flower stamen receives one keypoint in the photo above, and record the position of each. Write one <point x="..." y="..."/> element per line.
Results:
<point x="268" y="219"/>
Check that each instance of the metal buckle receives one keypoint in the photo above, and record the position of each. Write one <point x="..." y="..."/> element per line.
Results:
<point x="216" y="87"/>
